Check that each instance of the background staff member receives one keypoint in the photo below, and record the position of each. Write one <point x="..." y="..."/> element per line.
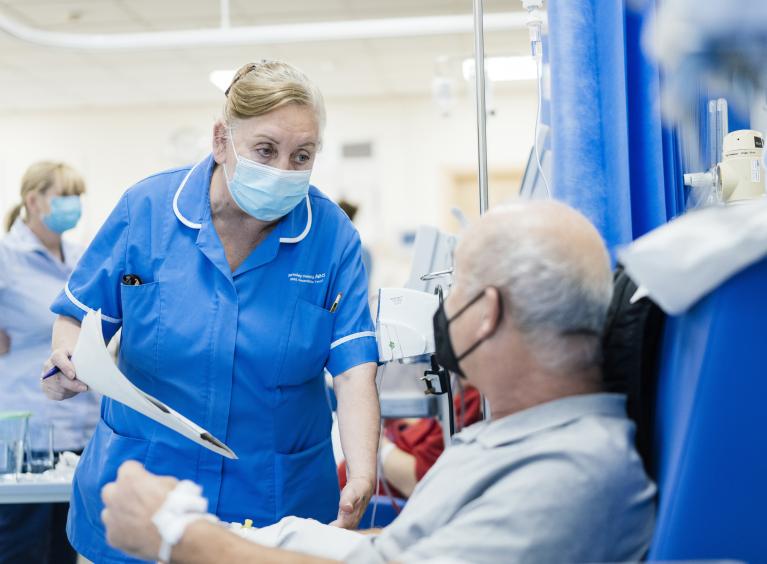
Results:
<point x="240" y="261"/>
<point x="35" y="262"/>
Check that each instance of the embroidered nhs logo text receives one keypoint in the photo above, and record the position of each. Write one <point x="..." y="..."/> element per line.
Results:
<point x="307" y="278"/>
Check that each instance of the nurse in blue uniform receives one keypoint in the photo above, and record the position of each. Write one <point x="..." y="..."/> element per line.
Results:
<point x="236" y="284"/>
<point x="35" y="263"/>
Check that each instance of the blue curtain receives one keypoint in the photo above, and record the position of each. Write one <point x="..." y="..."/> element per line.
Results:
<point x="613" y="158"/>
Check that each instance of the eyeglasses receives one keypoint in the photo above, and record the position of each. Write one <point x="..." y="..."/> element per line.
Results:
<point x="251" y="67"/>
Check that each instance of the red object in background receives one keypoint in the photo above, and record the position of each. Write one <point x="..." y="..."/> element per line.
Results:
<point x="423" y="438"/>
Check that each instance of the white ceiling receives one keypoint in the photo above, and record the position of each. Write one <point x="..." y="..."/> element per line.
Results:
<point x="34" y="77"/>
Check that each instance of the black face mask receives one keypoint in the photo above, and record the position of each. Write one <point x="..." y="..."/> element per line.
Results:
<point x="444" y="352"/>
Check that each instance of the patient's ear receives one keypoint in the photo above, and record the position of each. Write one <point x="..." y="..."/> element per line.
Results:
<point x="491" y="312"/>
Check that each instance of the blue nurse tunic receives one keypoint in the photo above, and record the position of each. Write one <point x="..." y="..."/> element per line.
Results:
<point x="240" y="353"/>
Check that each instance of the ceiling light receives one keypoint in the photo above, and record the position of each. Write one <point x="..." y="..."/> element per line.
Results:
<point x="501" y="69"/>
<point x="221" y="79"/>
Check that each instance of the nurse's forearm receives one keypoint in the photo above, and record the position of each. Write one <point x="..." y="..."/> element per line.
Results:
<point x="206" y="543"/>
<point x="66" y="331"/>
<point x="359" y="419"/>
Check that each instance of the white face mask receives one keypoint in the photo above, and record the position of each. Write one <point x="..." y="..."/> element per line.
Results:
<point x="265" y="192"/>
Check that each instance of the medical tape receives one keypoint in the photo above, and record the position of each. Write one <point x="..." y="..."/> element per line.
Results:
<point x="182" y="506"/>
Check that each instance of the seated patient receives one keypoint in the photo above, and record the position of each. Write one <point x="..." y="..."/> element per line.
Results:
<point x="552" y="477"/>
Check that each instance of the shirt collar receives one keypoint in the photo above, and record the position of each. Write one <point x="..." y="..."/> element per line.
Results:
<point x="549" y="415"/>
<point x="191" y="204"/>
<point x="23" y="239"/>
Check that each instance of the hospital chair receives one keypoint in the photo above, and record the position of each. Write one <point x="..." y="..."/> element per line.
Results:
<point x="710" y="427"/>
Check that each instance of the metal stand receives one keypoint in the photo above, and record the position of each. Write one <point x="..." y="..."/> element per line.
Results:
<point x="479" y="78"/>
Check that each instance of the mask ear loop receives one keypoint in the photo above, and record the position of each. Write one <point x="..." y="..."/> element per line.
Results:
<point x="461" y="311"/>
<point x="473" y="347"/>
<point x="231" y="140"/>
<point x="236" y="156"/>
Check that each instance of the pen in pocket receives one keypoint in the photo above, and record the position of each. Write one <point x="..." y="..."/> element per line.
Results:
<point x="131" y="280"/>
<point x="334" y="307"/>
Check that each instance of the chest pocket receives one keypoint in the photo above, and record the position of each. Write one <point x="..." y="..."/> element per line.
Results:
<point x="308" y="344"/>
<point x="141" y="315"/>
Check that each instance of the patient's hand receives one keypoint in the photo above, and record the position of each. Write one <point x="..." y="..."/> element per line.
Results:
<point x="5" y="343"/>
<point x="130" y="503"/>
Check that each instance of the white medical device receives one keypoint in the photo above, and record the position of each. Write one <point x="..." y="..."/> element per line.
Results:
<point x="404" y="323"/>
<point x="740" y="175"/>
<point x="405" y="332"/>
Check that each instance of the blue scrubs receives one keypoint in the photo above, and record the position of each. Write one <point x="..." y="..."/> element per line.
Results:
<point x="240" y="353"/>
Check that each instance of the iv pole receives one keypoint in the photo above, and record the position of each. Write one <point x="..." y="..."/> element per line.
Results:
<point x="479" y="79"/>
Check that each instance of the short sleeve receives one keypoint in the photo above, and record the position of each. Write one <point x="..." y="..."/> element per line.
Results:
<point x="353" y="341"/>
<point x="95" y="281"/>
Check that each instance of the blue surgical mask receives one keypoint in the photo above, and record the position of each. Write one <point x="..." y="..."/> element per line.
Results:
<point x="64" y="215"/>
<point x="265" y="192"/>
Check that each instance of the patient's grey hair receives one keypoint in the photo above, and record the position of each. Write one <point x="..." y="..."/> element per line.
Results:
<point x="553" y="272"/>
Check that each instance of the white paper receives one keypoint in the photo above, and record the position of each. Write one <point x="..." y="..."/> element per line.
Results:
<point x="95" y="368"/>
<point x="679" y="263"/>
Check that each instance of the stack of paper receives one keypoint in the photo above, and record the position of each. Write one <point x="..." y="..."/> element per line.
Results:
<point x="94" y="367"/>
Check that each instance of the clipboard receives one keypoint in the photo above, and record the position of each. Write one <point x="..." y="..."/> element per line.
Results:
<point x="95" y="368"/>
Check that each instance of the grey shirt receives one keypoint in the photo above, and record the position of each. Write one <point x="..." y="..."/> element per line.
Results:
<point x="559" y="482"/>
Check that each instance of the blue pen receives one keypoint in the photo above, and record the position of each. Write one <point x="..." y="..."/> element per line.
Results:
<point x="51" y="372"/>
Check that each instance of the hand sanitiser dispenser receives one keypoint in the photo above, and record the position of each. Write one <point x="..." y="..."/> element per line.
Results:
<point x="741" y="172"/>
<point x="739" y="176"/>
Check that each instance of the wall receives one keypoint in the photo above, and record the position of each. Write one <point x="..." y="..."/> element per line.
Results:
<point x="415" y="153"/>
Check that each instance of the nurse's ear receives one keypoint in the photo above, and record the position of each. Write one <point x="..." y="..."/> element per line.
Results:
<point x="220" y="141"/>
<point x="36" y="204"/>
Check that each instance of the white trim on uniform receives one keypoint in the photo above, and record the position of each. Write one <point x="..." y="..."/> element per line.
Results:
<point x="194" y="225"/>
<point x="308" y="227"/>
<point x="352" y="337"/>
<point x="180" y="217"/>
<point x="85" y="308"/>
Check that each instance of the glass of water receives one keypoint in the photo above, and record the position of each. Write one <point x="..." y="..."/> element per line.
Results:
<point x="13" y="432"/>
<point x="39" y="447"/>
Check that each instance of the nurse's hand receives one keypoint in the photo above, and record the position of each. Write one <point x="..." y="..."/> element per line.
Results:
<point x="354" y="500"/>
<point x="64" y="384"/>
<point x="129" y="504"/>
